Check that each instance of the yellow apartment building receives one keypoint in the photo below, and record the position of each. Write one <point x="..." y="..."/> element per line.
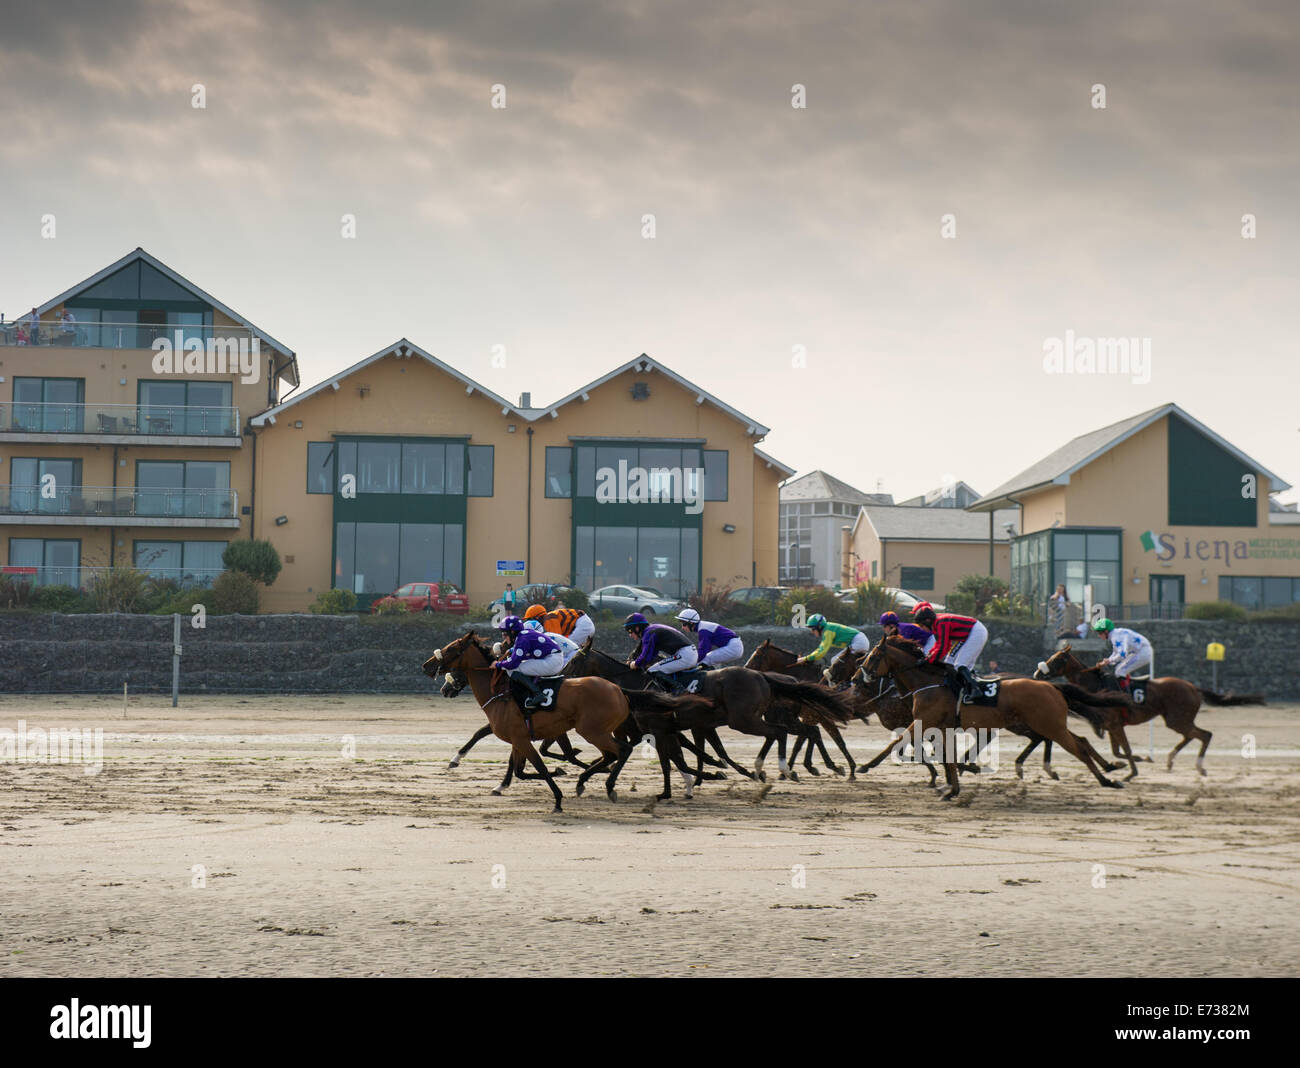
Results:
<point x="123" y="405"/>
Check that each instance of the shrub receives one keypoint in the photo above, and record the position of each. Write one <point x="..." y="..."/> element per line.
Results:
<point x="712" y="602"/>
<point x="873" y="601"/>
<point x="962" y="604"/>
<point x="814" y="599"/>
<point x="743" y="613"/>
<point x="15" y="591"/>
<point x="184" y="600"/>
<point x="158" y="592"/>
<point x="1215" y="610"/>
<point x="118" y="589"/>
<point x="334" y="602"/>
<point x="576" y="598"/>
<point x="1287" y="613"/>
<point x="983" y="588"/>
<point x="389" y="606"/>
<point x="59" y="599"/>
<point x="1012" y="607"/>
<point x="256" y="558"/>
<point x="234" y="593"/>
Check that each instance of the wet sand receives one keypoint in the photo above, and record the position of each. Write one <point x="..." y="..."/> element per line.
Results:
<point x="243" y="836"/>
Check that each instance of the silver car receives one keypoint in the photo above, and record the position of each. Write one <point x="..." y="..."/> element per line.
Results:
<point x="628" y="599"/>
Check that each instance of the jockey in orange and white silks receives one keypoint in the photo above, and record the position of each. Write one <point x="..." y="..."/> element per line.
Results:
<point x="572" y="623"/>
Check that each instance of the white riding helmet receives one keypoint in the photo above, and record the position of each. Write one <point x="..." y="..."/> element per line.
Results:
<point x="533" y="624"/>
<point x="688" y="615"/>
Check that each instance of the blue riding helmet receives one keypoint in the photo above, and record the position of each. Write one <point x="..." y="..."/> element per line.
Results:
<point x="636" y="619"/>
<point x="511" y="625"/>
<point x="889" y="619"/>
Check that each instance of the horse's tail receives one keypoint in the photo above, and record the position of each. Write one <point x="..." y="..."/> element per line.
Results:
<point x="1085" y="704"/>
<point x="1213" y="697"/>
<point x="656" y="711"/>
<point x="827" y="704"/>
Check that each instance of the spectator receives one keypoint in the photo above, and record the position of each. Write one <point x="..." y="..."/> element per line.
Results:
<point x="1059" y="604"/>
<point x="508" y="599"/>
<point x="33" y="328"/>
<point x="69" y="327"/>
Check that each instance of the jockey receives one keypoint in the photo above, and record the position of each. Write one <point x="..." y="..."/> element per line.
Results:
<point x="1131" y="650"/>
<point x="567" y="645"/>
<point x="717" y="645"/>
<point x="572" y="623"/>
<point x="533" y="656"/>
<point x="833" y="635"/>
<point x="956" y="640"/>
<point x="889" y="621"/>
<point x="660" y="640"/>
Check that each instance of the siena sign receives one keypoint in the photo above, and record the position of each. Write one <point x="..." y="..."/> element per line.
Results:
<point x="1167" y="548"/>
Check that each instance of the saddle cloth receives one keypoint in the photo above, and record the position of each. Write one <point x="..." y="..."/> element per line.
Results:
<point x="985" y="694"/>
<point x="549" y="686"/>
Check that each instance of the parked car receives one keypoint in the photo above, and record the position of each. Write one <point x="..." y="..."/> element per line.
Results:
<point x="628" y="599"/>
<point x="757" y="594"/>
<point x="549" y="594"/>
<point x="904" y="600"/>
<point x="431" y="597"/>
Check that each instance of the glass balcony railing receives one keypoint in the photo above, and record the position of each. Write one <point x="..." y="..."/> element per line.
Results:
<point x="134" y="419"/>
<point x="119" y="334"/>
<point x="80" y="577"/>
<point x="121" y="502"/>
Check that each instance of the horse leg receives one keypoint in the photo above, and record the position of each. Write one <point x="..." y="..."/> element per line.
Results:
<point x="1119" y="739"/>
<point x="1205" y="737"/>
<point x="898" y="744"/>
<point x="509" y="775"/>
<point x="568" y="753"/>
<point x="523" y="749"/>
<point x="1079" y="748"/>
<point x="1020" y="760"/>
<point x="953" y="780"/>
<point x="716" y="742"/>
<point x="838" y="739"/>
<point x="479" y="735"/>
<point x="762" y="755"/>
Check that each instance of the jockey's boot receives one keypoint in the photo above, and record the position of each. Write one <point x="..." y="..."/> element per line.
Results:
<point x="534" y="688"/>
<point x="674" y="687"/>
<point x="967" y="682"/>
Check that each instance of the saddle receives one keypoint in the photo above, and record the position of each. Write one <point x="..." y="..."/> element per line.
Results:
<point x="690" y="681"/>
<point x="1136" y="690"/>
<point x="548" y="686"/>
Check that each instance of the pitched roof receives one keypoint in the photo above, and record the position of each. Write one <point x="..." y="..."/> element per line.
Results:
<point x="903" y="522"/>
<point x="1056" y="467"/>
<point x="820" y="486"/>
<point x="403" y="349"/>
<point x="935" y="497"/>
<point x="162" y="268"/>
<point x="644" y="364"/>
<point x="771" y="461"/>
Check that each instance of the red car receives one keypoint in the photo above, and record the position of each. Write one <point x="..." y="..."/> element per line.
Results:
<point x="431" y="597"/>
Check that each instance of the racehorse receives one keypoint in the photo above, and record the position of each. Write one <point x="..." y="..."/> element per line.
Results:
<point x="595" y="708"/>
<point x="751" y="702"/>
<point x="1040" y="706"/>
<point x="1175" y="700"/>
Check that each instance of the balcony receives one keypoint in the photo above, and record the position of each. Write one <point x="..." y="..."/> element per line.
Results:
<point x="80" y="577"/>
<point x="126" y="334"/>
<point x="101" y="506"/>
<point x="119" y="424"/>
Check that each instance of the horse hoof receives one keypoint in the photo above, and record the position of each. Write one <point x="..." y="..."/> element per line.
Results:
<point x="496" y="793"/>
<point x="1020" y="772"/>
<point x="1202" y="771"/>
<point x="612" y="796"/>
<point x="581" y="788"/>
<point x="947" y="795"/>
<point x="556" y="811"/>
<point x="812" y="771"/>
<point x="761" y="776"/>
<point x="453" y="765"/>
<point x="1053" y="776"/>
<point x="863" y="769"/>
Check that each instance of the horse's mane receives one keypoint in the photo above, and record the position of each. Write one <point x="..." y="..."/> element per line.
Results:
<point x="905" y="644"/>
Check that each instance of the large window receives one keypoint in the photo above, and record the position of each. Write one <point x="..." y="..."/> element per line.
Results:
<point x="400" y="467"/>
<point x="180" y="407"/>
<point x="673" y="471"/>
<point x="183" y="488"/>
<point x="559" y="471"/>
<point x="50" y="405"/>
<point x="376" y="558"/>
<point x="28" y="476"/>
<point x="192" y="563"/>
<point x="1076" y="557"/>
<point x="1258" y="592"/>
<point x="57" y="560"/>
<point x="666" y="559"/>
<point x="320" y="467"/>
<point x="482" y="459"/>
<point x="916" y="578"/>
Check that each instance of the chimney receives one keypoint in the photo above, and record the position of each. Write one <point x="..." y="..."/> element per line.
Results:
<point x="525" y="400"/>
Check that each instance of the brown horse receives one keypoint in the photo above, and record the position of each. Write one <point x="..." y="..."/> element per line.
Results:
<point x="1175" y="700"/>
<point x="596" y="709"/>
<point x="1039" y="706"/>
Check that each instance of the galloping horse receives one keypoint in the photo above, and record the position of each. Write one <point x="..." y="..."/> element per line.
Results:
<point x="595" y="708"/>
<point x="1040" y="706"/>
<point x="1175" y="700"/>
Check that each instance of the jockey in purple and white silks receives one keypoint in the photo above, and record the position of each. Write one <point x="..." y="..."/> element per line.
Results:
<point x="534" y="655"/>
<point x="658" y="640"/>
<point x="717" y="645"/>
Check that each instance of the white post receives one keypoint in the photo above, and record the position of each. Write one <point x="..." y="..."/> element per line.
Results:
<point x="176" y="657"/>
<point x="1151" y="723"/>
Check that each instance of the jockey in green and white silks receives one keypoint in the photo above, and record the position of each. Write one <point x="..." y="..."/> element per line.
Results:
<point x="833" y="636"/>
<point x="1131" y="650"/>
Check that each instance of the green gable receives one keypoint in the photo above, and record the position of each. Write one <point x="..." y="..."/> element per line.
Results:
<point x="1205" y="481"/>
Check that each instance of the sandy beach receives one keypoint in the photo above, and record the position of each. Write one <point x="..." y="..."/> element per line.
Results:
<point x="326" y="836"/>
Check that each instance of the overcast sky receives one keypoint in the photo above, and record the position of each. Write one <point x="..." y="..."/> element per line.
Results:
<point x="775" y="226"/>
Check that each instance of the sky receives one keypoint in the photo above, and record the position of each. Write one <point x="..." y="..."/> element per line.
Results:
<point x="878" y="275"/>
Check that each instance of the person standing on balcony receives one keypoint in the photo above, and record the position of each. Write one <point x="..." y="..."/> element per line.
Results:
<point x="33" y="322"/>
<point x="69" y="327"/>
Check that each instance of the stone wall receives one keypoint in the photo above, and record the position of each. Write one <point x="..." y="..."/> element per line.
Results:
<point x="344" y="654"/>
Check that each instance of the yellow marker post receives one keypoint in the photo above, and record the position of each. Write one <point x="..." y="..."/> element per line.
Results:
<point x="1214" y="653"/>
